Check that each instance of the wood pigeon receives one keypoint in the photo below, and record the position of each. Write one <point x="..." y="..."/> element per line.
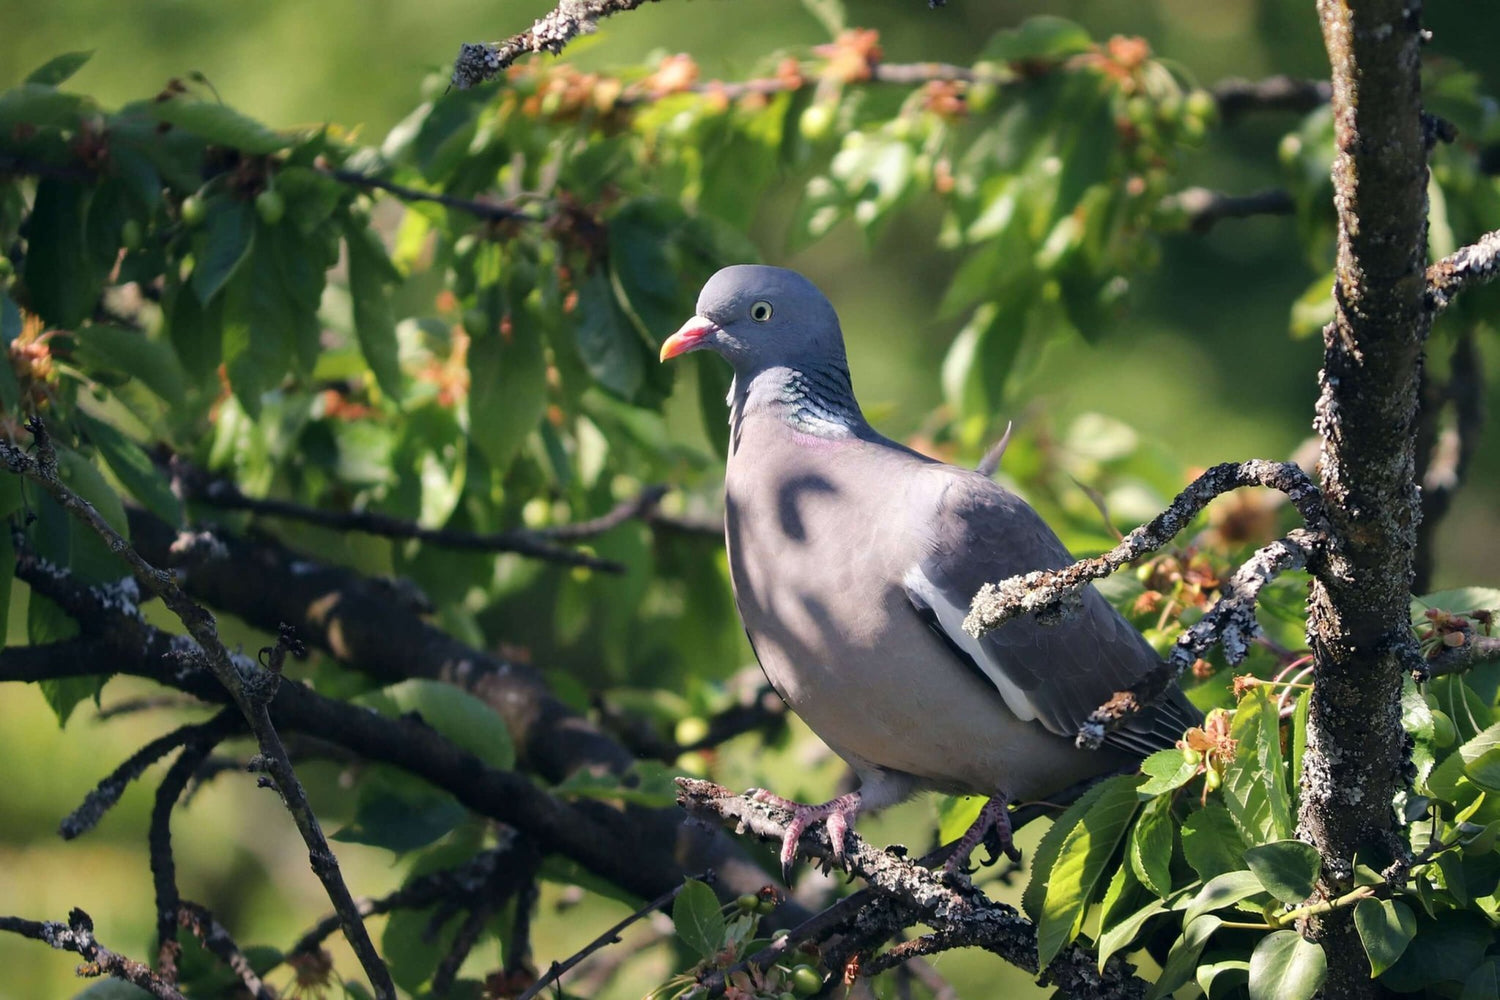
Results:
<point x="853" y="561"/>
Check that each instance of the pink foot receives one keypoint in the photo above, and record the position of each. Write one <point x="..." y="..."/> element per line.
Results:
<point x="992" y="828"/>
<point x="838" y="812"/>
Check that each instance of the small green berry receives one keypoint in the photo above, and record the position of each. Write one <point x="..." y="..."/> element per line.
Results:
<point x="131" y="234"/>
<point x="805" y="981"/>
<point x="748" y="903"/>
<point x="271" y="206"/>
<point x="193" y="211"/>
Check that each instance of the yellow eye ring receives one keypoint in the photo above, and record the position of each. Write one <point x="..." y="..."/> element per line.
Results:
<point x="761" y="311"/>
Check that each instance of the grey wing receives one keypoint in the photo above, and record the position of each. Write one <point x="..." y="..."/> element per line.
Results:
<point x="1056" y="675"/>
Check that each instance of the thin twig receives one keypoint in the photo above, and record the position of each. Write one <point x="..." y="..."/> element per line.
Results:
<point x="1276" y="93"/>
<point x="218" y="941"/>
<point x="226" y="495"/>
<point x="609" y="937"/>
<point x="1046" y="593"/>
<point x="77" y="936"/>
<point x="1468" y="267"/>
<point x="249" y="687"/>
<point x="478" y="62"/>
<point x="491" y="211"/>
<point x="1203" y="208"/>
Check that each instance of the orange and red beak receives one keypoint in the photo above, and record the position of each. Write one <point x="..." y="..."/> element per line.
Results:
<point x="689" y="337"/>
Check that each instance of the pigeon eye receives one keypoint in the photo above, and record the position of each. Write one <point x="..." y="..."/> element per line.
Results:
<point x="760" y="311"/>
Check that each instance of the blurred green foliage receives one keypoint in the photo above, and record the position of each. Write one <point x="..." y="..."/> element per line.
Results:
<point x="997" y="247"/>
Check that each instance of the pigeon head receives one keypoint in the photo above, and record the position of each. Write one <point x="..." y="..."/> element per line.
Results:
<point x="760" y="317"/>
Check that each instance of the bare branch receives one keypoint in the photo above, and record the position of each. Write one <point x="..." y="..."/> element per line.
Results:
<point x="1203" y="208"/>
<point x="478" y="62"/>
<point x="1468" y="267"/>
<point x="609" y="937"/>
<point x="490" y="211"/>
<point x="1471" y="651"/>
<point x="1046" y="593"/>
<point x="218" y="941"/>
<point x="249" y="687"/>
<point x="77" y="936"/>
<point x="224" y="494"/>
<point x="1230" y="622"/>
<point x="1276" y="93"/>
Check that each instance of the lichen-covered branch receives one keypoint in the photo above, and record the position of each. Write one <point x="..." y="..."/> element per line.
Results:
<point x="1467" y="267"/>
<point x="479" y="61"/>
<point x="1047" y="593"/>
<point x="249" y="687"/>
<point x="1230" y="623"/>
<point x="1358" y="619"/>
<point x="910" y="894"/>
<point x="77" y="936"/>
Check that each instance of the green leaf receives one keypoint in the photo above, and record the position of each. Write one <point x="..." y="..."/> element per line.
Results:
<point x="400" y="813"/>
<point x="1182" y="959"/>
<point x="1150" y="850"/>
<point x="220" y="125"/>
<point x="1288" y="868"/>
<point x="101" y="348"/>
<point x="1299" y="735"/>
<point x="698" y="919"/>
<point x="374" y="323"/>
<point x="41" y="106"/>
<point x="222" y="245"/>
<point x="1229" y="973"/>
<point x="59" y="68"/>
<point x="1255" y="791"/>
<point x="1481" y="757"/>
<point x="1042" y="37"/>
<point x="134" y="468"/>
<point x="1120" y="935"/>
<point x="1446" y="949"/>
<point x="1045" y="856"/>
<point x="508" y="388"/>
<point x="1313" y="309"/>
<point x="1221" y="891"/>
<point x="1081" y="859"/>
<point x="1483" y="983"/>
<point x="196" y="332"/>
<point x="956" y="813"/>
<point x="1386" y="927"/>
<point x="462" y="718"/>
<point x="608" y="345"/>
<point x="1169" y="769"/>
<point x="1211" y="842"/>
<point x="61" y="277"/>
<point x="1286" y="966"/>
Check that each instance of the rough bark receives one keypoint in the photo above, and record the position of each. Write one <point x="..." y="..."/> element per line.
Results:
<point x="1358" y="624"/>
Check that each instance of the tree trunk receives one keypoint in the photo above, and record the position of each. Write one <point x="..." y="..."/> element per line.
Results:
<point x="1358" y="624"/>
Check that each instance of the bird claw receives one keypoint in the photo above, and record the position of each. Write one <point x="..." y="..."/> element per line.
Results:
<point x="838" y="813"/>
<point x="992" y="829"/>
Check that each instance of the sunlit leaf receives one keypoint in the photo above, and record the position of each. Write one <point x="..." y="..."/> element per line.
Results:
<point x="1386" y="927"/>
<point x="1080" y="864"/>
<point x="698" y="919"/>
<point x="1286" y="966"/>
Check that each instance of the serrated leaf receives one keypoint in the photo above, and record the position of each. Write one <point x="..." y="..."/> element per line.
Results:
<point x="61" y="276"/>
<point x="58" y="69"/>
<point x="220" y="125"/>
<point x="1182" y="959"/>
<point x="1254" y="789"/>
<point x="1045" y="855"/>
<point x="1120" y="935"/>
<point x="1150" y="851"/>
<point x="1386" y="927"/>
<point x="1286" y="966"/>
<point x="1211" y="843"/>
<point x="1287" y="868"/>
<point x="1221" y="891"/>
<point x="374" y="322"/>
<point x="698" y="919"/>
<point x="134" y="468"/>
<point x="222" y="245"/>
<point x="1081" y="859"/>
<point x="956" y="813"/>
<point x="458" y="715"/>
<point x="608" y="345"/>
<point x="1168" y="770"/>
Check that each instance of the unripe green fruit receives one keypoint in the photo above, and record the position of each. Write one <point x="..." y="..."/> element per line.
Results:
<point x="193" y="211"/>
<point x="805" y="981"/>
<point x="815" y="122"/>
<point x="1201" y="104"/>
<point x="749" y="902"/>
<point x="130" y="234"/>
<point x="271" y="206"/>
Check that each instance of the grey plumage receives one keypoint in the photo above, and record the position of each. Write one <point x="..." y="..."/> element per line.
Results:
<point x="853" y="560"/>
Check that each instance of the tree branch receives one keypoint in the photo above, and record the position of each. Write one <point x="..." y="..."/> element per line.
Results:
<point x="1277" y="93"/>
<point x="918" y="895"/>
<point x="1468" y="267"/>
<point x="1048" y="593"/>
<point x="78" y="936"/>
<point x="478" y="61"/>
<point x="1204" y="208"/>
<point x="249" y="687"/>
